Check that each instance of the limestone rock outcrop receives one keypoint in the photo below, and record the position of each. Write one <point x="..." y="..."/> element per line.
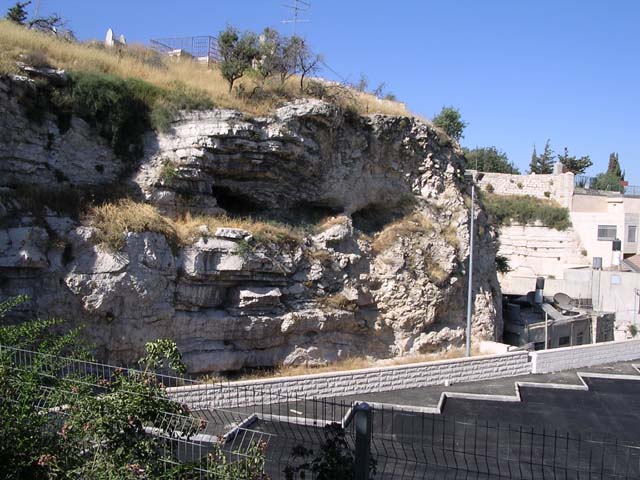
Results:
<point x="382" y="272"/>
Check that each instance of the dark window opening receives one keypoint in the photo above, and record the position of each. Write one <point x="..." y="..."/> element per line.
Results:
<point x="563" y="341"/>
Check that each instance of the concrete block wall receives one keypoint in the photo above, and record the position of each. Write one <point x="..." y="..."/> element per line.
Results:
<point x="558" y="359"/>
<point x="334" y="384"/>
<point x="558" y="187"/>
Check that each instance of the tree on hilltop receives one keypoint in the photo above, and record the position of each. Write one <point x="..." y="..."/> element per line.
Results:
<point x="306" y="61"/>
<point x="612" y="179"/>
<point x="614" y="166"/>
<point x="542" y="164"/>
<point x="237" y="52"/>
<point x="18" y="13"/>
<point x="574" y="164"/>
<point x="450" y="120"/>
<point x="489" y="159"/>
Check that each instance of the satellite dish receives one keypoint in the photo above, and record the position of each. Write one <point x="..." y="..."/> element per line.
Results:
<point x="109" y="38"/>
<point x="563" y="300"/>
<point x="122" y="40"/>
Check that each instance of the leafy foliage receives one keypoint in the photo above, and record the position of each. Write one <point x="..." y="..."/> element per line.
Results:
<point x="237" y="52"/>
<point x="613" y="166"/>
<point x="607" y="181"/>
<point x="120" y="110"/>
<point x="115" y="107"/>
<point x="525" y="209"/>
<point x="612" y="179"/>
<point x="502" y="264"/>
<point x="332" y="461"/>
<point x="489" y="159"/>
<point x="542" y="164"/>
<point x="93" y="427"/>
<point x="573" y="163"/>
<point x="18" y="13"/>
<point x="306" y="61"/>
<point x="450" y="120"/>
<point x="249" y="467"/>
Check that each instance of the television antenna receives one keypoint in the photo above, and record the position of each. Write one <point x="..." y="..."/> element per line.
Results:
<point x="299" y="6"/>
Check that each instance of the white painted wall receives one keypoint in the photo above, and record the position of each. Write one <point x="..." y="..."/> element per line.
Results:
<point x="558" y="359"/>
<point x="588" y="213"/>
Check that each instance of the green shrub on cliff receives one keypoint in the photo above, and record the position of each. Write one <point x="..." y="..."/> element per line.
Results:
<point x="525" y="209"/>
<point x="117" y="108"/>
<point x="123" y="109"/>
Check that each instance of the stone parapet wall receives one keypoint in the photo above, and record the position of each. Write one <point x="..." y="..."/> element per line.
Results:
<point x="335" y="384"/>
<point x="558" y="359"/>
<point x="554" y="187"/>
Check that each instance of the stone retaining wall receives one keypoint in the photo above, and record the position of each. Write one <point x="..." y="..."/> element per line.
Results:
<point x="557" y="359"/>
<point x="554" y="187"/>
<point x="335" y="384"/>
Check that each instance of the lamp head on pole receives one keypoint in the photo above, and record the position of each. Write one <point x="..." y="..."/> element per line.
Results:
<point x="474" y="177"/>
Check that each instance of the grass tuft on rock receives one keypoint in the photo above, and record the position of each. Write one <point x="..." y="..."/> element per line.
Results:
<point x="113" y="221"/>
<point x="414" y="223"/>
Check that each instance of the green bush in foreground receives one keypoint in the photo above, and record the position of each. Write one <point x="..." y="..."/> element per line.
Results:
<point x="525" y="209"/>
<point x="93" y="427"/>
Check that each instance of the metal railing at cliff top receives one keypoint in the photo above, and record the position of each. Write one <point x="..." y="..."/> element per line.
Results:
<point x="593" y="186"/>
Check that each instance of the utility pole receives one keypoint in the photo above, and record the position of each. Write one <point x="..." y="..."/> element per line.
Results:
<point x="470" y="286"/>
<point x="297" y="7"/>
<point x="37" y="10"/>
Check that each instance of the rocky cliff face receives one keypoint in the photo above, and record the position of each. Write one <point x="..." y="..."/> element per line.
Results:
<point x="381" y="273"/>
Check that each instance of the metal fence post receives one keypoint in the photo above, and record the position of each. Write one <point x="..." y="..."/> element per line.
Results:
<point x="362" y="420"/>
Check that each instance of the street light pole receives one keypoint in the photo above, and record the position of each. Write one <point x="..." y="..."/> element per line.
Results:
<point x="470" y="287"/>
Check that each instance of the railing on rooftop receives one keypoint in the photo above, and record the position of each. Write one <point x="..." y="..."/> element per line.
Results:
<point x="584" y="184"/>
<point x="202" y="48"/>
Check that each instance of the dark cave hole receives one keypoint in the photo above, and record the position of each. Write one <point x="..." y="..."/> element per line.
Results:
<point x="235" y="203"/>
<point x="309" y="213"/>
<point x="375" y="216"/>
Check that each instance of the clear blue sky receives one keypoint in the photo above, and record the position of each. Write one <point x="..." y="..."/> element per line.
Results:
<point x="520" y="71"/>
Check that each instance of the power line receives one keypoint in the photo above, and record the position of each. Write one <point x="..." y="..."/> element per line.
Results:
<point x="343" y="79"/>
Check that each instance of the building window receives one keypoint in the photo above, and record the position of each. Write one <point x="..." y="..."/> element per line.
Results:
<point x="579" y="338"/>
<point x="631" y="233"/>
<point x="562" y="341"/>
<point x="607" y="232"/>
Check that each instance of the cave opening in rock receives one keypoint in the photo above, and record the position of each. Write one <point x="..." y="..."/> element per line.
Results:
<point x="310" y="213"/>
<point x="235" y="203"/>
<point x="375" y="216"/>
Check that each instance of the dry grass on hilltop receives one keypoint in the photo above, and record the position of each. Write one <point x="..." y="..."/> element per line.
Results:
<point x="143" y="64"/>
